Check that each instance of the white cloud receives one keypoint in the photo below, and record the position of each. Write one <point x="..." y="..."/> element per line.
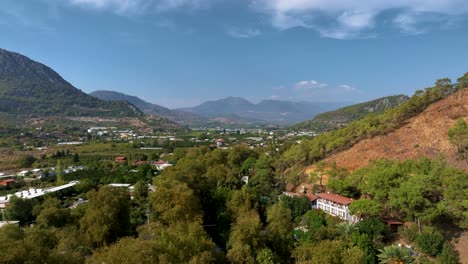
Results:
<point x="307" y="85"/>
<point x="243" y="33"/>
<point x="355" y="18"/>
<point x="137" y="6"/>
<point x="347" y="88"/>
<point x="312" y="90"/>
<point x="339" y="19"/>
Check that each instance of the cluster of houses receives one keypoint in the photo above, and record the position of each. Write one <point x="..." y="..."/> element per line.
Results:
<point x="43" y="172"/>
<point x="160" y="164"/>
<point x="111" y="131"/>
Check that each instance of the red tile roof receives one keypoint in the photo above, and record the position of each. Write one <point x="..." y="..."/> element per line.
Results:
<point x="393" y="222"/>
<point x="335" y="198"/>
<point x="312" y="197"/>
<point x="9" y="180"/>
<point x="141" y="162"/>
<point x="121" y="158"/>
<point x="6" y="182"/>
<point x="161" y="162"/>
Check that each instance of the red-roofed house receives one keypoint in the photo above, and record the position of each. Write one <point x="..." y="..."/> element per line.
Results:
<point x="121" y="159"/>
<point x="161" y="165"/>
<point x="7" y="182"/>
<point x="140" y="162"/>
<point x="335" y="205"/>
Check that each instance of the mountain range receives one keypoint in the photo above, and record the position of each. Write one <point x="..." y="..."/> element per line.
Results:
<point x="273" y="111"/>
<point x="230" y="110"/>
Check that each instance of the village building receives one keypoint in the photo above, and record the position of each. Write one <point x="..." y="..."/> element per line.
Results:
<point x="336" y="205"/>
<point x="121" y="159"/>
<point x="330" y="203"/>
<point x="161" y="165"/>
<point x="34" y="193"/>
<point x="7" y="182"/>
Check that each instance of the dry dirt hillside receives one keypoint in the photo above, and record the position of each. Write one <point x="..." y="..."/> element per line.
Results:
<point x="424" y="135"/>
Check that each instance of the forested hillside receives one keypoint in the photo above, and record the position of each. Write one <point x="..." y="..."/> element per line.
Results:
<point x="29" y="88"/>
<point x="342" y="117"/>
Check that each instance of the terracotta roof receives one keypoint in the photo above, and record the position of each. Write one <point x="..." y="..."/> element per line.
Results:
<point x="9" y="180"/>
<point x="121" y="158"/>
<point x="335" y="198"/>
<point x="141" y="162"/>
<point x="161" y="162"/>
<point x="393" y="222"/>
<point x="312" y="197"/>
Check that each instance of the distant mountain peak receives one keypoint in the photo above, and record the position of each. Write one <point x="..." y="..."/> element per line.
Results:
<point x="272" y="111"/>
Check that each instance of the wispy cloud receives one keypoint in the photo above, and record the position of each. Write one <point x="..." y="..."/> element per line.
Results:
<point x="347" y="88"/>
<point x="139" y="6"/>
<point x="313" y="90"/>
<point x="350" y="19"/>
<point x="307" y="85"/>
<point x="339" y="19"/>
<point x="243" y="33"/>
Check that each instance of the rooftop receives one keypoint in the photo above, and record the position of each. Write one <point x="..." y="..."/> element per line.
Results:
<point x="335" y="198"/>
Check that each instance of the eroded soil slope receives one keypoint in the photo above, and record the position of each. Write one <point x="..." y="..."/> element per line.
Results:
<point x="424" y="135"/>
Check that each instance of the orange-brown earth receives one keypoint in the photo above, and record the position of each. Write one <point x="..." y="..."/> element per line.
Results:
<point x="424" y="135"/>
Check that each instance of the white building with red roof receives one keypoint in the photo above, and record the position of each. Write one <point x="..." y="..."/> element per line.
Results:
<point x="161" y="164"/>
<point x="336" y="205"/>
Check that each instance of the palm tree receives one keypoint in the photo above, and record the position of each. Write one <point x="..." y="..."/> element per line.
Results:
<point x="395" y="255"/>
<point x="346" y="229"/>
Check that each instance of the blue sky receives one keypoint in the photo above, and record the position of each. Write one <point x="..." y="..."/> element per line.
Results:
<point x="179" y="53"/>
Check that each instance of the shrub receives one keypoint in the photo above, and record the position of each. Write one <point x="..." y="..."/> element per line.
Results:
<point x="448" y="255"/>
<point x="430" y="242"/>
<point x="410" y="233"/>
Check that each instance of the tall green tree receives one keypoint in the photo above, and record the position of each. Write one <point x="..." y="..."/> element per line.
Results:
<point x="19" y="209"/>
<point x="245" y="240"/>
<point x="59" y="169"/>
<point x="182" y="242"/>
<point x="174" y="201"/>
<point x="280" y="230"/>
<point x="107" y="216"/>
<point x="458" y="136"/>
<point x="365" y="208"/>
<point x="50" y="214"/>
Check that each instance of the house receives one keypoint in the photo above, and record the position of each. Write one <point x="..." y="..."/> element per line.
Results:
<point x="121" y="159"/>
<point x="161" y="165"/>
<point x="23" y="173"/>
<point x="4" y="223"/>
<point x="140" y="162"/>
<point x="36" y="171"/>
<point x="336" y="205"/>
<point x="220" y="142"/>
<point x="123" y="185"/>
<point x="393" y="224"/>
<point x="7" y="182"/>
